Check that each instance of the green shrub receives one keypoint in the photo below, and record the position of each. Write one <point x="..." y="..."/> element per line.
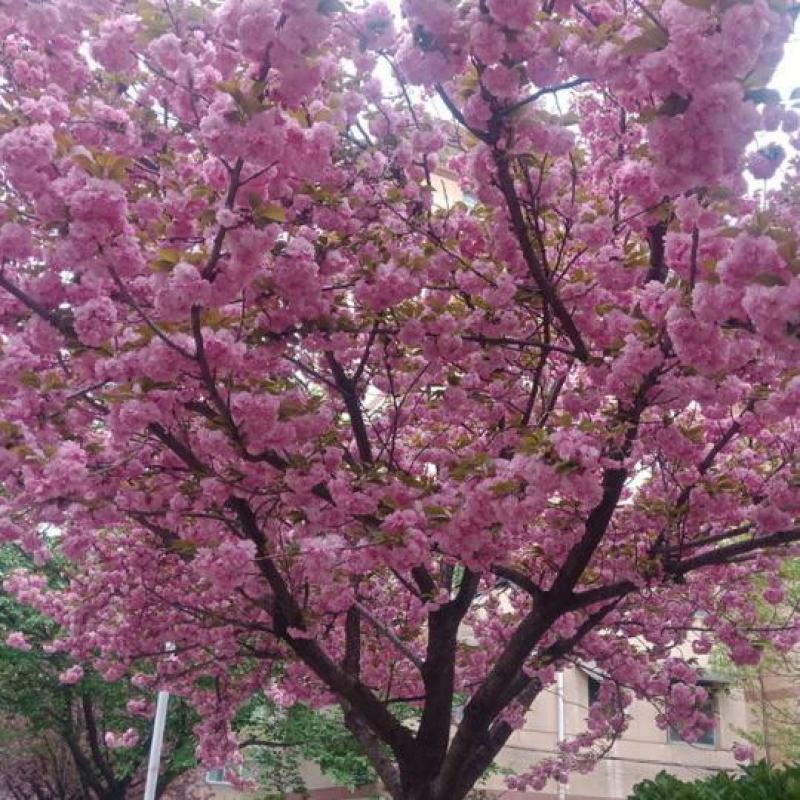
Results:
<point x="757" y="782"/>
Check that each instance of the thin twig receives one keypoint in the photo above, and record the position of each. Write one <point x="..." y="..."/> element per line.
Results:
<point x="542" y="92"/>
<point x="390" y="635"/>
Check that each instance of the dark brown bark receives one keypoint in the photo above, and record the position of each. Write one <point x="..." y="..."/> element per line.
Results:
<point x="349" y="391"/>
<point x="100" y="761"/>
<point x="658" y="266"/>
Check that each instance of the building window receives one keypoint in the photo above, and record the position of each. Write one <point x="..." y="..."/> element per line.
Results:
<point x="592" y="689"/>
<point x="711" y="709"/>
<point x="218" y="775"/>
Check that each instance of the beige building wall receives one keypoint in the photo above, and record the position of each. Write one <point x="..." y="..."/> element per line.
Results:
<point x="320" y="788"/>
<point x="774" y="705"/>
<point x="641" y="753"/>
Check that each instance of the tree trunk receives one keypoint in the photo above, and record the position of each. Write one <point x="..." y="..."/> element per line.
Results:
<point x="419" y="793"/>
<point x="116" y="792"/>
<point x="428" y="790"/>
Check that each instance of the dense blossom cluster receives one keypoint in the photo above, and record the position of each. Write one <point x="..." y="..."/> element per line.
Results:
<point x="336" y="435"/>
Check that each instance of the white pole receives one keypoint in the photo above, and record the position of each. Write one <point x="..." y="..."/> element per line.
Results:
<point x="562" y="723"/>
<point x="155" y="746"/>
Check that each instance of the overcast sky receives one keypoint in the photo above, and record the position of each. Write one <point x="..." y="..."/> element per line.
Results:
<point x="788" y="75"/>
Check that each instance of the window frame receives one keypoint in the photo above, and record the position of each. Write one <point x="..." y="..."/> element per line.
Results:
<point x="713" y="689"/>
<point x="592" y="690"/>
<point x="223" y="781"/>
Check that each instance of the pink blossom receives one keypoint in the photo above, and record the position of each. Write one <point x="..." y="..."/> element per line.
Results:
<point x="113" y="48"/>
<point x="227" y="217"/>
<point x="743" y="752"/>
<point x="18" y="641"/>
<point x="501" y="81"/>
<point x="764" y="162"/>
<point x="27" y="152"/>
<point x="94" y="320"/>
<point x="128" y="738"/>
<point x="512" y="13"/>
<point x="166" y="50"/>
<point x="15" y="241"/>
<point x="71" y="675"/>
<point x="99" y="208"/>
<point x="139" y="706"/>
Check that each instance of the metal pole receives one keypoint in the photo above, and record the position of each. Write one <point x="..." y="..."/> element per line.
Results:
<point x="562" y="723"/>
<point x="155" y="746"/>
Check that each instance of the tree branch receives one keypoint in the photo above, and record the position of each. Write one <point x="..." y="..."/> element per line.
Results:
<point x="131" y="301"/>
<point x="94" y="740"/>
<point x="679" y="568"/>
<point x="542" y="92"/>
<point x="178" y="448"/>
<point x="658" y="266"/>
<point x="519" y="580"/>
<point x="492" y="696"/>
<point x="390" y="635"/>
<point x="722" y="554"/>
<point x="349" y="393"/>
<point x="351" y="663"/>
<point x="383" y="764"/>
<point x="505" y="182"/>
<point x="63" y="326"/>
<point x="287" y="615"/>
<point x="438" y="675"/>
<point x="457" y="115"/>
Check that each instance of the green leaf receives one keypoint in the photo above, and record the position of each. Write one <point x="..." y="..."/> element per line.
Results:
<point x="532" y="442"/>
<point x="112" y="166"/>
<point x="437" y="513"/>
<point x="653" y="38"/>
<point x="230" y="87"/>
<point x="674" y="105"/>
<point x="30" y="379"/>
<point x="647" y="115"/>
<point x="769" y="279"/>
<point x="273" y="212"/>
<point x="87" y="164"/>
<point x="469" y="467"/>
<point x="183" y="547"/>
<point x="504" y="488"/>
<point x="166" y="259"/>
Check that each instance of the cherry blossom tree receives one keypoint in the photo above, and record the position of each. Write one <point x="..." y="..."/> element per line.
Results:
<point x="340" y="437"/>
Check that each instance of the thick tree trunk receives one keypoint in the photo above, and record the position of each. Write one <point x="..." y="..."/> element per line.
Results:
<point x="419" y="793"/>
<point x="431" y="789"/>
<point x="116" y="792"/>
<point x="428" y="792"/>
